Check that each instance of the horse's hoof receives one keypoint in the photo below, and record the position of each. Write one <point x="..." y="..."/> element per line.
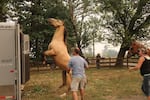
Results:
<point x="63" y="95"/>
<point x="61" y="86"/>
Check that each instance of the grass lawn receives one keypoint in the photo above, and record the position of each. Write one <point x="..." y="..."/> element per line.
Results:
<point x="103" y="84"/>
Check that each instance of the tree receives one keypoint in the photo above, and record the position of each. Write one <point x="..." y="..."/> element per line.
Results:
<point x="84" y="21"/>
<point x="3" y="10"/>
<point x="30" y="16"/>
<point x="91" y="33"/>
<point x="33" y="15"/>
<point x="126" y="21"/>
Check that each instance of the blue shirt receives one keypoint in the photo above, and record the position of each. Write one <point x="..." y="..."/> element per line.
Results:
<point x="78" y="64"/>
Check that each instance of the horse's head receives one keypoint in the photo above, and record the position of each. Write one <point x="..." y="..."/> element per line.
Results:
<point x="134" y="48"/>
<point x="131" y="52"/>
<point x="55" y="22"/>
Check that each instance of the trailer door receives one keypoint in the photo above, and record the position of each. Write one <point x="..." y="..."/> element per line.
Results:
<point x="8" y="68"/>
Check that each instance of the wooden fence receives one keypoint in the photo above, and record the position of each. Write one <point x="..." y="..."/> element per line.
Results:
<point x="109" y="62"/>
<point x="104" y="62"/>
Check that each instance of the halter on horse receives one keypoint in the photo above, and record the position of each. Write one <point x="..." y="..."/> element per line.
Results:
<point x="134" y="48"/>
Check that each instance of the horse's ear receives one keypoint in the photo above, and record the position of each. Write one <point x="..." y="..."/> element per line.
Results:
<point x="133" y="40"/>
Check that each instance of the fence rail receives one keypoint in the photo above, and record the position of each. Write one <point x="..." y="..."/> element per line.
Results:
<point x="104" y="62"/>
<point x="108" y="62"/>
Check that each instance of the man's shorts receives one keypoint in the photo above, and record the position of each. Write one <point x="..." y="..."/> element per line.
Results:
<point x="78" y="83"/>
<point x="146" y="85"/>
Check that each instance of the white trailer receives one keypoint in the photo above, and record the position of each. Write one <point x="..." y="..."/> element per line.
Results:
<point x="12" y="61"/>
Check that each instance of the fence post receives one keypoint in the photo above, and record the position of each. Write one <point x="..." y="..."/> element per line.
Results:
<point x="110" y="61"/>
<point x="127" y="62"/>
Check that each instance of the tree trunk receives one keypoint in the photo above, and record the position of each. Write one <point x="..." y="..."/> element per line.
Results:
<point x="121" y="54"/>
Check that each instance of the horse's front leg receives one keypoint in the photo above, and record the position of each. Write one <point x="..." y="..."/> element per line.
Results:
<point x="50" y="52"/>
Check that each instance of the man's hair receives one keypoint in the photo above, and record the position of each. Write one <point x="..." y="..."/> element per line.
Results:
<point x="77" y="51"/>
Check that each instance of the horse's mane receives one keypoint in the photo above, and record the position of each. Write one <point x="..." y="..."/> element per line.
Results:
<point x="141" y="45"/>
<point x="65" y="35"/>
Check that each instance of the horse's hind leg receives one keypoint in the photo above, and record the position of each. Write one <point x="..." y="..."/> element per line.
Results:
<point x="68" y="80"/>
<point x="64" y="79"/>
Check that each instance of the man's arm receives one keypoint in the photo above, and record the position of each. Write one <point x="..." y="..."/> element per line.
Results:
<point x="86" y="64"/>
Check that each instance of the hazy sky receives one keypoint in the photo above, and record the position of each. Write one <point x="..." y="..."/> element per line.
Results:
<point x="100" y="46"/>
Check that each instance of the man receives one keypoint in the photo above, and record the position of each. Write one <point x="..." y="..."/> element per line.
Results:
<point x="77" y="65"/>
<point x="98" y="57"/>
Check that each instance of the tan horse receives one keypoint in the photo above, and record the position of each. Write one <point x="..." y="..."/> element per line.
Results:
<point x="57" y="47"/>
<point x="134" y="48"/>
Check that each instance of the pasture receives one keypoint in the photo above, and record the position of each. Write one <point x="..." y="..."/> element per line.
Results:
<point x="103" y="84"/>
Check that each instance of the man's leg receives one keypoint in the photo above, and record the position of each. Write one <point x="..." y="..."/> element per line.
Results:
<point x="82" y="94"/>
<point x="82" y="87"/>
<point x="74" y="88"/>
<point x="75" y="95"/>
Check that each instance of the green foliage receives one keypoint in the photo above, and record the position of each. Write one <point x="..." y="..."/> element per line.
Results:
<point x="33" y="15"/>
<point x="38" y="89"/>
<point x="128" y="20"/>
<point x="3" y="10"/>
<point x="85" y="22"/>
<point x="125" y="19"/>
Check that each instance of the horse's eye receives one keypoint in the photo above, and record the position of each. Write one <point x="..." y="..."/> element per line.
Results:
<point x="131" y="48"/>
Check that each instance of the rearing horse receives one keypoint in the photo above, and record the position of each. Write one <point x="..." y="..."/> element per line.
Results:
<point x="57" y="47"/>
<point x="134" y="48"/>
